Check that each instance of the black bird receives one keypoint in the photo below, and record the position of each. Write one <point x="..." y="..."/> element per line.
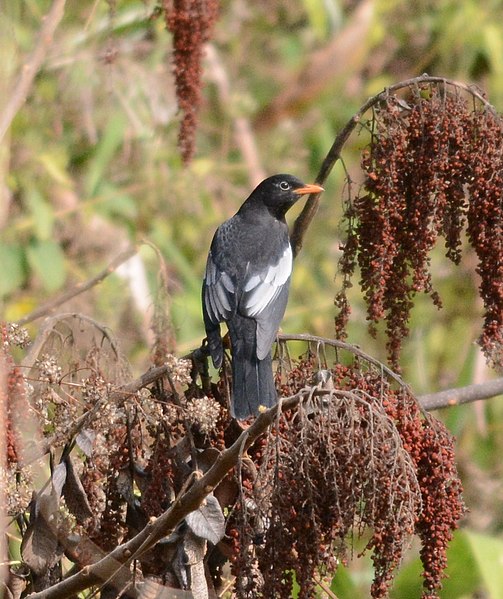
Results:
<point x="246" y="285"/>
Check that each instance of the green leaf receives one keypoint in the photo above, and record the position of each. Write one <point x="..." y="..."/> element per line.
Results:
<point x="487" y="553"/>
<point x="105" y="150"/>
<point x="55" y="165"/>
<point x="12" y="259"/>
<point x="42" y="213"/>
<point x="47" y="260"/>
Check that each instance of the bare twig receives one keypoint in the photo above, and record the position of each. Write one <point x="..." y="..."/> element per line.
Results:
<point x="346" y="346"/>
<point x="329" y="593"/>
<point x="32" y="65"/>
<point x="311" y="206"/>
<point x="462" y="395"/>
<point x="79" y="288"/>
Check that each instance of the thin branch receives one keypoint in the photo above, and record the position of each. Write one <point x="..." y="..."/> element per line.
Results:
<point x="311" y="206"/>
<point x="32" y="65"/>
<point x="430" y="401"/>
<point x="462" y="395"/>
<point x="79" y="288"/>
<point x="346" y="346"/>
<point x="323" y="586"/>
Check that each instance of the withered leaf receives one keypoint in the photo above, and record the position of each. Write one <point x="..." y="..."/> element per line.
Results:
<point x="39" y="546"/>
<point x="58" y="478"/>
<point x="208" y="521"/>
<point x="46" y="503"/>
<point x="85" y="440"/>
<point x="75" y="495"/>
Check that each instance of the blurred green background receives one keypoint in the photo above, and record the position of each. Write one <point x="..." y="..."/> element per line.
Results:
<point x="91" y="165"/>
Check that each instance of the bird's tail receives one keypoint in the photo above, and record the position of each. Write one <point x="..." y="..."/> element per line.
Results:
<point x="252" y="379"/>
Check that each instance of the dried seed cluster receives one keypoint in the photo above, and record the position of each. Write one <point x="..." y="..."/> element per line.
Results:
<point x="361" y="459"/>
<point x="432" y="168"/>
<point x="48" y="368"/>
<point x="191" y="23"/>
<point x="203" y="413"/>
<point x="15" y="335"/>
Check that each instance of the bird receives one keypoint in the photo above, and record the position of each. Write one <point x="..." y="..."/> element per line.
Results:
<point x="246" y="285"/>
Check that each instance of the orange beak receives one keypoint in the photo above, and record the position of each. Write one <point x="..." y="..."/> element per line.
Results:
<point x="309" y="189"/>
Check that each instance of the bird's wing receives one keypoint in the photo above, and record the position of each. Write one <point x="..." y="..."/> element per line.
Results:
<point x="265" y="295"/>
<point x="219" y="292"/>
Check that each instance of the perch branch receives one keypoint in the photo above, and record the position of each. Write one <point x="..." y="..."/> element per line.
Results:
<point x="32" y="65"/>
<point x="311" y="206"/>
<point x="430" y="401"/>
<point x="79" y="288"/>
<point x="346" y="346"/>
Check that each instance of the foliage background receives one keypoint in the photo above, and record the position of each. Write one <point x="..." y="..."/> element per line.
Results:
<point x="90" y="165"/>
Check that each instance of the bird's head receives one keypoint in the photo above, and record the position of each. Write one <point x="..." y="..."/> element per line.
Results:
<point x="280" y="192"/>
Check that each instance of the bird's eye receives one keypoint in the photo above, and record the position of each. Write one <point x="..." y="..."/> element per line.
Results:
<point x="284" y="185"/>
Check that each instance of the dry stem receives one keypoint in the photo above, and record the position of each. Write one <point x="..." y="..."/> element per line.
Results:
<point x="32" y="65"/>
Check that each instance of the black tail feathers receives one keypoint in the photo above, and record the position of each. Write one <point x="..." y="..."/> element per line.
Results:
<point x="252" y="379"/>
<point x="253" y="386"/>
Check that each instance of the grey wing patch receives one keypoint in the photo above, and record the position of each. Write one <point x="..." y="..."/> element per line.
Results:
<point x="262" y="288"/>
<point x="265" y="296"/>
<point x="219" y="292"/>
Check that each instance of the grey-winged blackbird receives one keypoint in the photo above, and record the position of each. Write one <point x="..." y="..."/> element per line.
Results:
<point x="246" y="285"/>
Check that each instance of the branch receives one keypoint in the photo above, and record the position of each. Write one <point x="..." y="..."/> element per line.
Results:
<point x="311" y="206"/>
<point x="343" y="55"/>
<point x="430" y="401"/>
<point x="188" y="501"/>
<point x="79" y="288"/>
<point x="346" y="346"/>
<point x="31" y="67"/>
<point x="462" y="395"/>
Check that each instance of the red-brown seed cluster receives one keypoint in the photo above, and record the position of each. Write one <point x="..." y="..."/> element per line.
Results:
<point x="430" y="168"/>
<point x="485" y="229"/>
<point x="160" y="471"/>
<point x="191" y="23"/>
<point x="362" y="458"/>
